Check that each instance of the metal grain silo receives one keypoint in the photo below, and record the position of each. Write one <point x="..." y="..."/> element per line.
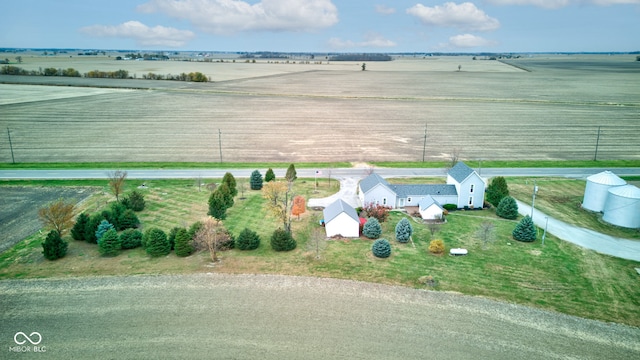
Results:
<point x="597" y="189"/>
<point x="622" y="207"/>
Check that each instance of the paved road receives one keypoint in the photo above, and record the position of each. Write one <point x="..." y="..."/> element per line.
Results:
<point x="276" y="317"/>
<point x="335" y="173"/>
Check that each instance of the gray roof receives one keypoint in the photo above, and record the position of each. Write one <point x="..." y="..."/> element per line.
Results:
<point x="404" y="191"/>
<point x="460" y="172"/>
<point x="371" y="181"/>
<point x="428" y="201"/>
<point x="338" y="207"/>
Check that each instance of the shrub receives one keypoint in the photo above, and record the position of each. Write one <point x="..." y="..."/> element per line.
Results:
<point x="255" y="180"/>
<point x="248" y="240"/>
<point x="525" y="230"/>
<point x="450" y="207"/>
<point x="372" y="228"/>
<point x="497" y="190"/>
<point x="381" y="248"/>
<point x="377" y="211"/>
<point x="109" y="244"/>
<point x="404" y="230"/>
<point x="436" y="247"/>
<point x="184" y="244"/>
<point x="156" y="242"/>
<point x="130" y="239"/>
<point x="194" y="228"/>
<point x="102" y="229"/>
<point x="282" y="241"/>
<point x="77" y="232"/>
<point x="53" y="246"/>
<point x="269" y="175"/>
<point x="128" y="220"/>
<point x="507" y="208"/>
<point x="135" y="201"/>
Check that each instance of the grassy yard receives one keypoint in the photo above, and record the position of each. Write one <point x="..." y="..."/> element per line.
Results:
<point x="559" y="276"/>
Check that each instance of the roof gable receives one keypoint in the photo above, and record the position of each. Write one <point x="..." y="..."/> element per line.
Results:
<point x="428" y="201"/>
<point x="460" y="172"/>
<point x="338" y="207"/>
<point x="371" y="181"/>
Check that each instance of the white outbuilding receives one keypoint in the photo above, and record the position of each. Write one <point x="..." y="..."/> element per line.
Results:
<point x="430" y="209"/>
<point x="622" y="207"/>
<point x="597" y="190"/>
<point x="340" y="219"/>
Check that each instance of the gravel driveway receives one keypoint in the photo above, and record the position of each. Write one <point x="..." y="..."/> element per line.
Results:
<point x="278" y="317"/>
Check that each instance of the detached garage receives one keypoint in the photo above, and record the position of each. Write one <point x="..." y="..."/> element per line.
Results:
<point x="341" y="219"/>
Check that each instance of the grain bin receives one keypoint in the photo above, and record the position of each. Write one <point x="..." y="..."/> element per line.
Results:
<point x="622" y="207"/>
<point x="597" y="189"/>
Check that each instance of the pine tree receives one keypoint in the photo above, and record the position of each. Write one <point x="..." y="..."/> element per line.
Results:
<point x="282" y="241"/>
<point x="248" y="240"/>
<point x="404" y="230"/>
<point x="109" y="244"/>
<point x="508" y="208"/>
<point x="497" y="190"/>
<point x="53" y="246"/>
<point x="381" y="248"/>
<point x="130" y="239"/>
<point x="135" y="201"/>
<point x="91" y="227"/>
<point x="227" y="194"/>
<point x="184" y="246"/>
<point x="77" y="232"/>
<point x="269" y="175"/>
<point x="256" y="180"/>
<point x="156" y="242"/>
<point x="291" y="174"/>
<point x="217" y="205"/>
<point x="102" y="229"/>
<point x="525" y="230"/>
<point x="115" y="213"/>
<point x="231" y="183"/>
<point x="372" y="228"/>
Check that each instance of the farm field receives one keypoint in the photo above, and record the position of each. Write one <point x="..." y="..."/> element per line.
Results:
<point x="329" y="112"/>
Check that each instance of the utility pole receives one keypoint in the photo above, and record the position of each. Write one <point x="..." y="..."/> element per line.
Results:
<point x="424" y="144"/>
<point x="13" y="160"/>
<point x="595" y="156"/>
<point x="533" y="200"/>
<point x="220" y="143"/>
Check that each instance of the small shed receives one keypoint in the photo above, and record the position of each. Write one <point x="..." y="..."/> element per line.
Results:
<point x="341" y="219"/>
<point x="623" y="207"/>
<point x="597" y="190"/>
<point x="430" y="209"/>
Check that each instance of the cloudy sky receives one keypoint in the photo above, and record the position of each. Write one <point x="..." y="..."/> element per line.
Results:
<point x="324" y="25"/>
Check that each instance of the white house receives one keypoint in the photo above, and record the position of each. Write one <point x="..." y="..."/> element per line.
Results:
<point x="341" y="219"/>
<point x="464" y="188"/>
<point x="430" y="209"/>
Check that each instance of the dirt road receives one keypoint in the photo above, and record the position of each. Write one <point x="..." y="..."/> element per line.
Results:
<point x="277" y="317"/>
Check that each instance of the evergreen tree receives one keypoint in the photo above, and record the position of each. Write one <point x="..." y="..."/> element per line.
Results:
<point x="231" y="183"/>
<point x="381" y="248"/>
<point x="92" y="226"/>
<point x="53" y="246"/>
<point x="404" y="230"/>
<point x="507" y="208"/>
<point x="77" y="232"/>
<point x="156" y="242"/>
<point x="227" y="195"/>
<point x="282" y="241"/>
<point x="270" y="175"/>
<point x="194" y="228"/>
<point x="135" y="201"/>
<point x="372" y="228"/>
<point x="109" y="244"/>
<point x="184" y="246"/>
<point x="525" y="230"/>
<point x="117" y="209"/>
<point x="497" y="190"/>
<point x="102" y="229"/>
<point x="130" y="239"/>
<point x="256" y="180"/>
<point x="217" y="205"/>
<point x="292" y="174"/>
<point x="128" y="220"/>
<point x="172" y="236"/>
<point x="248" y="240"/>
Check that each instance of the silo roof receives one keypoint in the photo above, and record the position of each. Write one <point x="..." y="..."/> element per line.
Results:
<point x="606" y="178"/>
<point x="627" y="191"/>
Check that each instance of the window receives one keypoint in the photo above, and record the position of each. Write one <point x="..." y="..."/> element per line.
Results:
<point x="409" y="199"/>
<point x="470" y="200"/>
<point x="384" y="201"/>
<point x="471" y="189"/>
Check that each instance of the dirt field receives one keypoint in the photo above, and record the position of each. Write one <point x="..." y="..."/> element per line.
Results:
<point x="545" y="108"/>
<point x="19" y="215"/>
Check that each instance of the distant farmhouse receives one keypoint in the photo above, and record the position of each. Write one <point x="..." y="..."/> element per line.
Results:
<point x="464" y="188"/>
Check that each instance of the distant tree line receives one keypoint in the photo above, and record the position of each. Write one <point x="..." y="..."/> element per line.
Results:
<point x="118" y="74"/>
<point x="361" y="57"/>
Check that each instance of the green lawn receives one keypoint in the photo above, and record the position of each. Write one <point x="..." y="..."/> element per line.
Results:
<point x="558" y="276"/>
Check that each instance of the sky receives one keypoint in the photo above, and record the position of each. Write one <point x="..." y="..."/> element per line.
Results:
<point x="384" y="26"/>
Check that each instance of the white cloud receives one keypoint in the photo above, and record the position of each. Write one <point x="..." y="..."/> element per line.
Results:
<point x="142" y="34"/>
<point x="384" y="10"/>
<point x="556" y="4"/>
<point x="469" y="41"/>
<point x="371" y="40"/>
<point x="231" y="16"/>
<point x="465" y="16"/>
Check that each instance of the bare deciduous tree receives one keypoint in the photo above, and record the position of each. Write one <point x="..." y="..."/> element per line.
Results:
<point x="279" y="203"/>
<point x="486" y="233"/>
<point x="317" y="240"/>
<point x="116" y="182"/>
<point x="453" y="159"/>
<point x="58" y="215"/>
<point x="211" y="236"/>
